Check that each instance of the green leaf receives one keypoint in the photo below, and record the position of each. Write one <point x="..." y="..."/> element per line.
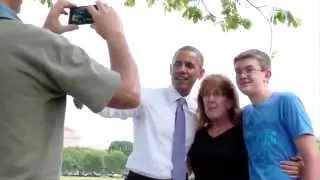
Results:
<point x="274" y="53"/>
<point x="296" y="23"/>
<point x="223" y="27"/>
<point x="150" y="3"/>
<point x="130" y="3"/>
<point x="231" y="18"/>
<point x="246" y="23"/>
<point x="47" y="2"/>
<point x="281" y="16"/>
<point x="210" y="17"/>
<point x="290" y="17"/>
<point x="284" y="16"/>
<point x="193" y="13"/>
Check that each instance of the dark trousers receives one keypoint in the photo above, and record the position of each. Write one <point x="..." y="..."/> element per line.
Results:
<point x="135" y="176"/>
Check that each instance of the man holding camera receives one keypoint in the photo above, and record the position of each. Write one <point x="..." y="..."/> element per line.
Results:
<point x="38" y="69"/>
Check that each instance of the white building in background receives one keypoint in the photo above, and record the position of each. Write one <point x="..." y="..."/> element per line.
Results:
<point x="71" y="138"/>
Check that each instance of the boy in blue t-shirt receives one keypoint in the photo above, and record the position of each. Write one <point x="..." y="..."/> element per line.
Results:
<point x="276" y="125"/>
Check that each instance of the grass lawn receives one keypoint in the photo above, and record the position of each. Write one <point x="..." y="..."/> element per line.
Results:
<point x="88" y="178"/>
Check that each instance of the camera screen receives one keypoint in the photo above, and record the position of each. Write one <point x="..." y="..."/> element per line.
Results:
<point x="80" y="15"/>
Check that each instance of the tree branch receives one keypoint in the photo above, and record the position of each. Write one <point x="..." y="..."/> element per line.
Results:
<point x="266" y="6"/>
<point x="258" y="8"/>
<point x="208" y="11"/>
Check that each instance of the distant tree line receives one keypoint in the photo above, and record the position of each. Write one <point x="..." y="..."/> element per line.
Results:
<point x="80" y="161"/>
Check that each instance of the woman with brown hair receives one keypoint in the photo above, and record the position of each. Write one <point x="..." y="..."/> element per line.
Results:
<point x="218" y="151"/>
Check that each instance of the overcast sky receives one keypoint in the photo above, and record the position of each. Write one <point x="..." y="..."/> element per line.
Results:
<point x="154" y="36"/>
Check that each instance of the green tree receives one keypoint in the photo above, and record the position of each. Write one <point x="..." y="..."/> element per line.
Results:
<point x="86" y="160"/>
<point x="318" y="141"/>
<point x="123" y="146"/>
<point x="72" y="160"/>
<point x="115" y="161"/>
<point x="229" y="18"/>
<point x="82" y="160"/>
<point x="68" y="164"/>
<point x="92" y="160"/>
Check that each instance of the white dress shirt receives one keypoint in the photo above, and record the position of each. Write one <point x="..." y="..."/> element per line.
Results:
<point x="153" y="131"/>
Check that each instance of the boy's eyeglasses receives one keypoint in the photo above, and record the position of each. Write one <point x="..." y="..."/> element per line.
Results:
<point x="247" y="71"/>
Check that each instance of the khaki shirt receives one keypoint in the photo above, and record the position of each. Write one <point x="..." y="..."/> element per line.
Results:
<point x="37" y="70"/>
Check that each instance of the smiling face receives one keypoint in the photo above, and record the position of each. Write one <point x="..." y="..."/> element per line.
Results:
<point x="253" y="72"/>
<point x="185" y="69"/>
<point x="250" y="76"/>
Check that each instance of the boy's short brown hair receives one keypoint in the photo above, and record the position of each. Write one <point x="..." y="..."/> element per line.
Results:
<point x="262" y="57"/>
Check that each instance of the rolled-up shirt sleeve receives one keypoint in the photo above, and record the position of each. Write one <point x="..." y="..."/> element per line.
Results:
<point x="76" y="74"/>
<point x="119" y="113"/>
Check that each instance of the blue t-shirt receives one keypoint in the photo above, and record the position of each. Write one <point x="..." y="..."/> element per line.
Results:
<point x="6" y="12"/>
<point x="270" y="131"/>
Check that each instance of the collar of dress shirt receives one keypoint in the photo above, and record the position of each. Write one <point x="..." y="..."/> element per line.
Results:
<point x="8" y="13"/>
<point x="173" y="96"/>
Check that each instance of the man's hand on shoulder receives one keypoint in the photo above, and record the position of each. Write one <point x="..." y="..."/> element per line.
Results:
<point x="52" y="22"/>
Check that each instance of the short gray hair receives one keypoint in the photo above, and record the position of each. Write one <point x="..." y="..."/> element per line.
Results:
<point x="191" y="49"/>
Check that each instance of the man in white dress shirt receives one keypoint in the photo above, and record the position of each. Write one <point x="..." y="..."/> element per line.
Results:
<point x="154" y="119"/>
